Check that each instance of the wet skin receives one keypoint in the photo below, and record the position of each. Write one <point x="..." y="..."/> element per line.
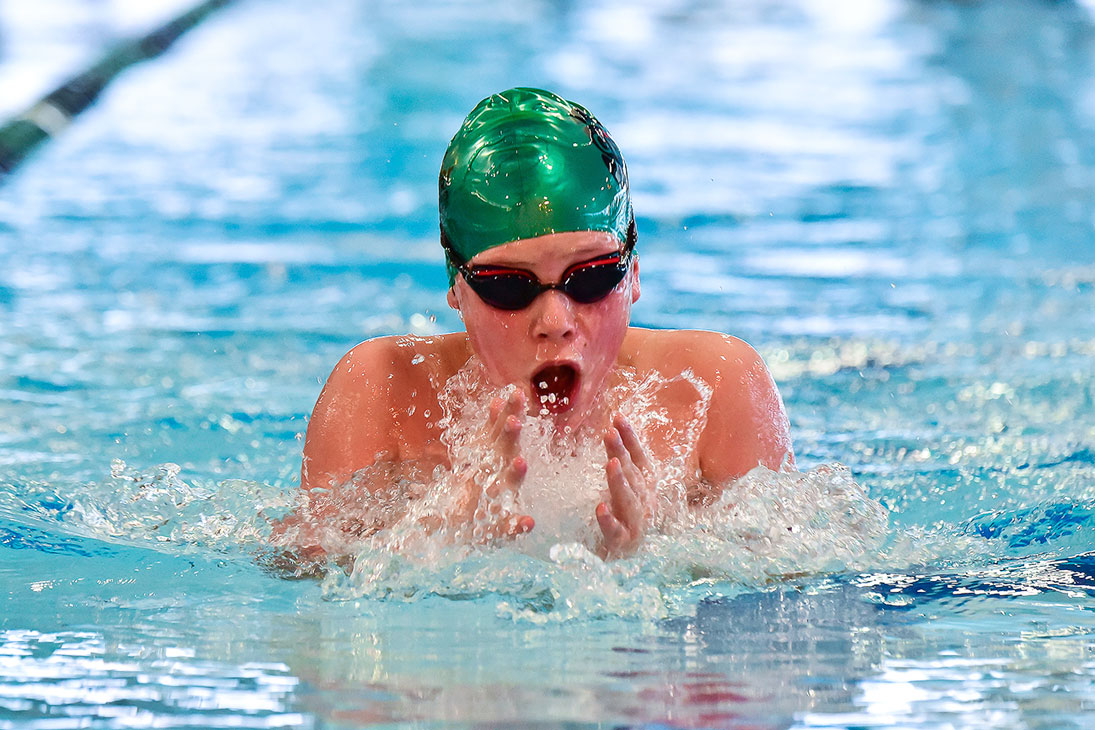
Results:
<point x="554" y="329"/>
<point x="380" y="404"/>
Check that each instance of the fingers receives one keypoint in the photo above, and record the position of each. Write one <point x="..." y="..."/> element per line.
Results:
<point x="482" y="509"/>
<point x="623" y="499"/>
<point x="515" y="473"/>
<point x="519" y="525"/>
<point x="615" y="534"/>
<point x="622" y="517"/>
<point x="616" y="448"/>
<point x="509" y="527"/>
<point x="507" y="443"/>
<point x="505" y="423"/>
<point x="622" y="442"/>
<point x="631" y="442"/>
<point x="510" y="479"/>
<point x="493" y="418"/>
<point x="505" y="526"/>
<point x="512" y="405"/>
<point x="502" y="408"/>
<point x="507" y="433"/>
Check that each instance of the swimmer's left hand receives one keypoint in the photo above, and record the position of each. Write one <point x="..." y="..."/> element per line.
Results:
<point x="623" y="518"/>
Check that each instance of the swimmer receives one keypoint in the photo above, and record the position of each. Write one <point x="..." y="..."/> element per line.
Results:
<point x="539" y="238"/>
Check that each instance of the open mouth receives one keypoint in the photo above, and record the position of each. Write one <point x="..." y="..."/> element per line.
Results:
<point x="554" y="386"/>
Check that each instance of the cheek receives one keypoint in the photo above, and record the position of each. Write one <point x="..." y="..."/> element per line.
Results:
<point x="488" y="336"/>
<point x="608" y="326"/>
<point x="615" y="313"/>
<point x="483" y="324"/>
<point x="495" y="339"/>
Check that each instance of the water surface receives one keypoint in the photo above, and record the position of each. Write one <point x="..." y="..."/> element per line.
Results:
<point x="892" y="201"/>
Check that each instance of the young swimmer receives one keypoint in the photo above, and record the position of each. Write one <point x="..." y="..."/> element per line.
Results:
<point x="539" y="237"/>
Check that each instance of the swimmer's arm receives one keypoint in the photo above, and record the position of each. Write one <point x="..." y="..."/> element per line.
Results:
<point x="346" y="434"/>
<point x="351" y="425"/>
<point x="747" y="425"/>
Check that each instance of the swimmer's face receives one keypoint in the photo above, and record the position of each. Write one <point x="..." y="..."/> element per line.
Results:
<point x="558" y="350"/>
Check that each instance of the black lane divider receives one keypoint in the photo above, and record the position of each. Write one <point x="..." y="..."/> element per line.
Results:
<point x="53" y="112"/>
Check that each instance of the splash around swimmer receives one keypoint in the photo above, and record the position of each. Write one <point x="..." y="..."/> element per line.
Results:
<point x="539" y="238"/>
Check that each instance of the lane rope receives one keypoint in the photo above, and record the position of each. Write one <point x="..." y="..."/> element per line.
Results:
<point x="50" y="115"/>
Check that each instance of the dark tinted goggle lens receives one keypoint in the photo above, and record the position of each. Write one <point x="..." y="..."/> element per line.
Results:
<point x="505" y="291"/>
<point x="593" y="282"/>
<point x="586" y="283"/>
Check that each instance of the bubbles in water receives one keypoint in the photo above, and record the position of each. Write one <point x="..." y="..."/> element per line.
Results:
<point x="412" y="533"/>
<point x="159" y="506"/>
<point x="402" y="531"/>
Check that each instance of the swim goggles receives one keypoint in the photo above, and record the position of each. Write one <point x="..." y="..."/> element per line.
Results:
<point x="512" y="289"/>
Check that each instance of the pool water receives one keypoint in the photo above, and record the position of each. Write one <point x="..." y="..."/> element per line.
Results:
<point x="894" y="201"/>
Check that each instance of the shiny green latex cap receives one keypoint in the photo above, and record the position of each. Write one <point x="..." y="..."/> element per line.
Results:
<point x="527" y="163"/>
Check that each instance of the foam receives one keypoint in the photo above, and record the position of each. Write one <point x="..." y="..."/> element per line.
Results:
<point x="389" y="532"/>
<point x="769" y="525"/>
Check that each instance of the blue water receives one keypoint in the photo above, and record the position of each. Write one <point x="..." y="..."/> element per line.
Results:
<point x="893" y="201"/>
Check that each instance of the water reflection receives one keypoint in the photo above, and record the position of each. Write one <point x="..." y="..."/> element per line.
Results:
<point x="820" y="653"/>
<point x="758" y="658"/>
<point x="893" y="202"/>
<point x="69" y="678"/>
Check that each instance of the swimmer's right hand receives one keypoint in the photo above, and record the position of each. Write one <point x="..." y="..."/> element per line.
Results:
<point x="479" y="509"/>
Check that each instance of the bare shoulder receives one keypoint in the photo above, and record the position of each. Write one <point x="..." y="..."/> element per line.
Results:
<point x="384" y="366"/>
<point x="746" y="421"/>
<point x="354" y="422"/>
<point x="711" y="355"/>
<point x="364" y="363"/>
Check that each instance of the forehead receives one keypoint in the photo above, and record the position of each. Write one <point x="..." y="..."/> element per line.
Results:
<point x="555" y="248"/>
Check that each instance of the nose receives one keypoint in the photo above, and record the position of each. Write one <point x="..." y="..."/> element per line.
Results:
<point x="553" y="316"/>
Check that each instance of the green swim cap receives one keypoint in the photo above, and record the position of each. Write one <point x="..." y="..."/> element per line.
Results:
<point x="527" y="163"/>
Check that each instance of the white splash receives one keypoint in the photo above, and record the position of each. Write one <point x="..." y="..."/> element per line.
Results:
<point x="765" y="527"/>
<point x="390" y="532"/>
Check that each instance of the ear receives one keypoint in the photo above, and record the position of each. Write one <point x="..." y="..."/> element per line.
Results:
<point x="451" y="298"/>
<point x="636" y="290"/>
